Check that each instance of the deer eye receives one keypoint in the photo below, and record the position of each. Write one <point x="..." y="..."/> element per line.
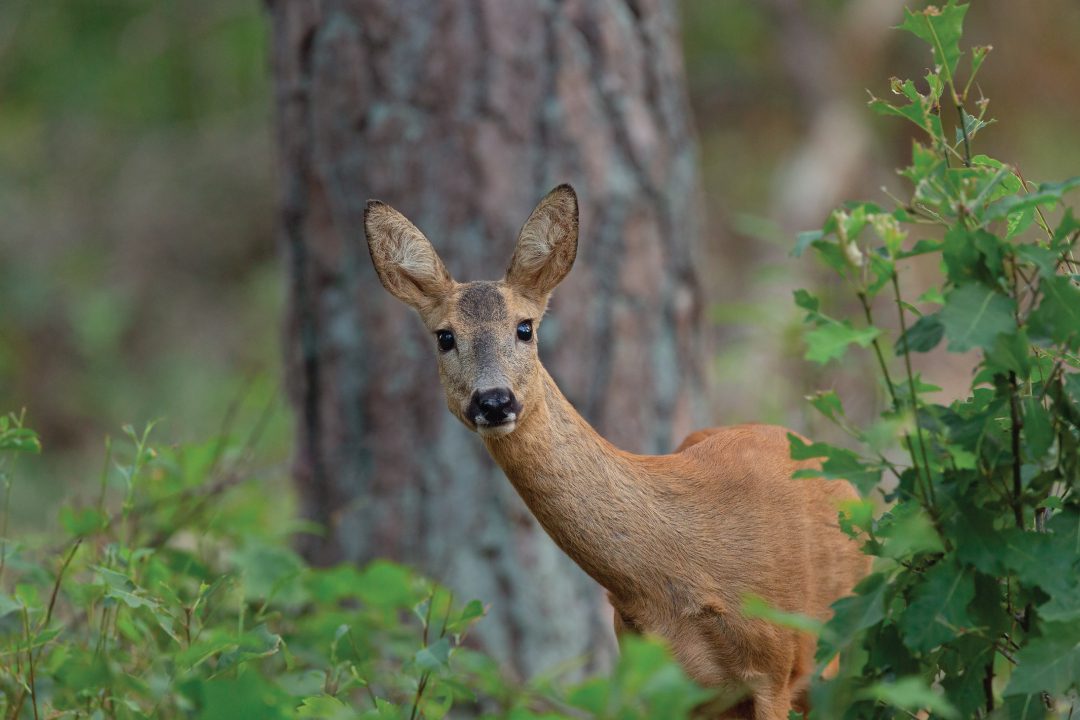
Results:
<point x="524" y="330"/>
<point x="445" y="338"/>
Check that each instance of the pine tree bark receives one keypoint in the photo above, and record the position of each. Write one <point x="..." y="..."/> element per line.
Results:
<point x="462" y="114"/>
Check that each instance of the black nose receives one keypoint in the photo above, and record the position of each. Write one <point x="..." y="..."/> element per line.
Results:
<point x="492" y="407"/>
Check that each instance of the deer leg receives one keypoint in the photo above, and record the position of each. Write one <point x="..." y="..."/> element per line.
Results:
<point x="623" y="624"/>
<point x="772" y="702"/>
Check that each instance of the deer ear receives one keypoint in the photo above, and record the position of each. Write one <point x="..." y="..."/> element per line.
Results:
<point x="407" y="264"/>
<point x="546" y="246"/>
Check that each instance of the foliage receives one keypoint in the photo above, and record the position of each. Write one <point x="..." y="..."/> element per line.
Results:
<point x="169" y="598"/>
<point x="973" y="607"/>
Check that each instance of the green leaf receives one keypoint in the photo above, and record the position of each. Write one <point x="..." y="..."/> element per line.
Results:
<point x="8" y="605"/>
<point x="246" y="697"/>
<point x="434" y="657"/>
<point x="325" y="707"/>
<point x="1044" y="194"/>
<point x="839" y="464"/>
<point x="852" y="615"/>
<point x="257" y="643"/>
<point x="1010" y="351"/>
<point x="591" y="696"/>
<point x="906" y="531"/>
<point x="972" y="125"/>
<point x="938" y="611"/>
<point x="974" y="315"/>
<point x="81" y="522"/>
<point x="270" y="572"/>
<point x="804" y="240"/>
<point x="941" y="29"/>
<point x="1058" y="315"/>
<point x="1050" y="663"/>
<point x="1037" y="429"/>
<point x="1018" y="221"/>
<point x="1063" y="607"/>
<point x="911" y="694"/>
<point x="20" y="439"/>
<point x="472" y="612"/>
<point x="831" y="339"/>
<point x="923" y="336"/>
<point x="806" y="301"/>
<point x="828" y="404"/>
<point x="387" y="585"/>
<point x="754" y="606"/>
<point x="1044" y="259"/>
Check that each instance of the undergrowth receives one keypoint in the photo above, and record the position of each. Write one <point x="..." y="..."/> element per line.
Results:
<point x="175" y="594"/>
<point x="973" y="608"/>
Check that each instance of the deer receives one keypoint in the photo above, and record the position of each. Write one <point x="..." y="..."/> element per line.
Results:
<point x="678" y="540"/>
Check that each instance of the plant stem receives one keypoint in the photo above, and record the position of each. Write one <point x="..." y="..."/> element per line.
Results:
<point x="1014" y="411"/>
<point x="896" y="404"/>
<point x="877" y="350"/>
<point x="964" y="132"/>
<point x="914" y="393"/>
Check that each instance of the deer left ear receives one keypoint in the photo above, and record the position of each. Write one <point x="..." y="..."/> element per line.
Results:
<point x="546" y="246"/>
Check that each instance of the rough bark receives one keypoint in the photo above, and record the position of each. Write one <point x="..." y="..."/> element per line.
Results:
<point x="462" y="114"/>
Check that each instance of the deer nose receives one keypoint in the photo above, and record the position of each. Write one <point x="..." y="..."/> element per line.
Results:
<point x="493" y="407"/>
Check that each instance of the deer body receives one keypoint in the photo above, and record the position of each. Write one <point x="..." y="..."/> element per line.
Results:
<point x="677" y="540"/>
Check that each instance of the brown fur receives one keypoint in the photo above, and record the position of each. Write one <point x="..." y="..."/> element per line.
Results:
<point x="677" y="540"/>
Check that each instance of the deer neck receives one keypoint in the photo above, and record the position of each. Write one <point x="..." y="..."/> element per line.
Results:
<point x="590" y="497"/>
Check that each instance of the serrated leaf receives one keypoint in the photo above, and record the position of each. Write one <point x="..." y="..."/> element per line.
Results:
<point x="972" y="125"/>
<point x="806" y="301"/>
<point x="1063" y="607"/>
<point x="911" y="694"/>
<point x="828" y="404"/>
<point x="8" y="605"/>
<point x="804" y="240"/>
<point x="1010" y="351"/>
<point x="81" y="522"/>
<point x="325" y="707"/>
<point x="852" y="615"/>
<point x="906" y="531"/>
<point x="923" y="336"/>
<point x="974" y="315"/>
<point x="1058" y="314"/>
<point x="434" y="657"/>
<point x="831" y="340"/>
<point x="754" y="606"/>
<point x="839" y="464"/>
<point x="1044" y="194"/>
<point x="1048" y="664"/>
<point x="1019" y="221"/>
<point x="1044" y="259"/>
<point x="941" y="29"/>
<point x="1037" y="429"/>
<point x="938" y="611"/>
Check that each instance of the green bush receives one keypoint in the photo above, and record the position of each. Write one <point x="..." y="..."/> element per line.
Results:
<point x="176" y="595"/>
<point x="973" y="608"/>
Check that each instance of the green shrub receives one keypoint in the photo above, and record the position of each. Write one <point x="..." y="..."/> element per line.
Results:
<point x="973" y="608"/>
<point x="185" y="601"/>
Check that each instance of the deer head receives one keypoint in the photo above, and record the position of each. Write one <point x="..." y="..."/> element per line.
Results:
<point x="483" y="333"/>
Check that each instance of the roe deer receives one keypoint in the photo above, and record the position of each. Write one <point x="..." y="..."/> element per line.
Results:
<point x="677" y="540"/>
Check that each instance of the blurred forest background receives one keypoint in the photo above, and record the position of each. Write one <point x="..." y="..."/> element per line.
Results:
<point x="139" y="276"/>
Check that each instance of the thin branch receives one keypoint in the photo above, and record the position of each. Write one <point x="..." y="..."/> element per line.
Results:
<point x="911" y="389"/>
<point x="963" y="130"/>
<point x="1014" y="411"/>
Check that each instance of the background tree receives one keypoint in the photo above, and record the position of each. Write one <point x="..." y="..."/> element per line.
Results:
<point x="462" y="114"/>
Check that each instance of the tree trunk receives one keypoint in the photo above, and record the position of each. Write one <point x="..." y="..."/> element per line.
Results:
<point x="462" y="114"/>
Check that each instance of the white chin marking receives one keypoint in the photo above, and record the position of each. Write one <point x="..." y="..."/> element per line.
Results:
<point x="495" y="431"/>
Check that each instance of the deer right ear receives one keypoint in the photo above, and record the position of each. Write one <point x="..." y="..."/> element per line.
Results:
<point x="547" y="245"/>
<point x="407" y="264"/>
